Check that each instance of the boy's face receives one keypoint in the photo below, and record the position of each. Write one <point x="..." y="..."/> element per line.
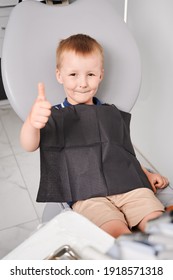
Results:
<point x="80" y="76"/>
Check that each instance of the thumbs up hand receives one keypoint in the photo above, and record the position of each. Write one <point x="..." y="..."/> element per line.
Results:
<point x="41" y="109"/>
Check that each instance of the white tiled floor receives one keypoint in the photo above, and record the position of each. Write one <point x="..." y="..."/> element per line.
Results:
<point x="19" y="180"/>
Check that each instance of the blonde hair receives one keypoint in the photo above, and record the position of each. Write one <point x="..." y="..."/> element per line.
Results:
<point x="81" y="44"/>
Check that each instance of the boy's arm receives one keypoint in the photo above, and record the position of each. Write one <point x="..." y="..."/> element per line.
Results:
<point x="29" y="136"/>
<point x="37" y="119"/>
<point x="156" y="180"/>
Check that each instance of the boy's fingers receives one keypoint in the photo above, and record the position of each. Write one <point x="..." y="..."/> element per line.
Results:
<point x="154" y="188"/>
<point x="41" y="92"/>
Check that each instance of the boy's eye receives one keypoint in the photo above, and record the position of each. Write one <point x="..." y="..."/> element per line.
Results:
<point x="91" y="74"/>
<point x="73" y="74"/>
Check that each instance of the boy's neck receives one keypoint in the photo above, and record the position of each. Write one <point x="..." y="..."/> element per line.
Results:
<point x="96" y="101"/>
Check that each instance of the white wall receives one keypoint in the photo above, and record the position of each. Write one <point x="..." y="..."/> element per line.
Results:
<point x="151" y="23"/>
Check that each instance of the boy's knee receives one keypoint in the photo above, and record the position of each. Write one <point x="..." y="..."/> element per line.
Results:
<point x="151" y="216"/>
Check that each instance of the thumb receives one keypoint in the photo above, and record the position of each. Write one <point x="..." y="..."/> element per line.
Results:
<point x="41" y="92"/>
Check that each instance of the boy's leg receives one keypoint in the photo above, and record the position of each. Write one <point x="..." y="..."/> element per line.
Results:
<point x="102" y="212"/>
<point x="115" y="228"/>
<point x="139" y="206"/>
<point x="147" y="218"/>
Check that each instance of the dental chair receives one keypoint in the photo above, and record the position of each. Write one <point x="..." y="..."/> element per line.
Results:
<point x="28" y="57"/>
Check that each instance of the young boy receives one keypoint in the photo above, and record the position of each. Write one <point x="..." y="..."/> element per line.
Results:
<point x="87" y="158"/>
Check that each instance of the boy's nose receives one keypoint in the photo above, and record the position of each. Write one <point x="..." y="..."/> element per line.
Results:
<point x="83" y="82"/>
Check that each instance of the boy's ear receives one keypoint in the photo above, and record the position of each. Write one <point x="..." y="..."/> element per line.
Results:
<point x="58" y="76"/>
<point x="102" y="75"/>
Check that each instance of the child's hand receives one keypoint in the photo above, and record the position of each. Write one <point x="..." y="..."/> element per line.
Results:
<point x="157" y="181"/>
<point x="41" y="109"/>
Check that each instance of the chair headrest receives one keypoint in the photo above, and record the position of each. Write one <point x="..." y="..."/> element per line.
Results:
<point x="29" y="49"/>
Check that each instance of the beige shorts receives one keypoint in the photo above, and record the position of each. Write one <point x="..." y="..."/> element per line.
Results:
<point x="130" y="207"/>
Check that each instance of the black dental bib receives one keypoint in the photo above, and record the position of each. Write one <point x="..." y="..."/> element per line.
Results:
<point x="86" y="151"/>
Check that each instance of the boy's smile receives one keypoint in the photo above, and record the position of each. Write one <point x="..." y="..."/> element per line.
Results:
<point x="80" y="76"/>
